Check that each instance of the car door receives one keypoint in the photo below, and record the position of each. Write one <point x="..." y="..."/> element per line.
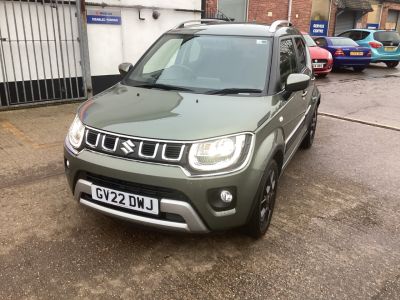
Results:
<point x="292" y="113"/>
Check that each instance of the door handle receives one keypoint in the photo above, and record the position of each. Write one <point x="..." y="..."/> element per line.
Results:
<point x="305" y="92"/>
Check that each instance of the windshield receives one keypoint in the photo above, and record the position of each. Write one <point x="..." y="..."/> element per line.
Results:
<point x="309" y="41"/>
<point x="205" y="64"/>
<point x="343" y="42"/>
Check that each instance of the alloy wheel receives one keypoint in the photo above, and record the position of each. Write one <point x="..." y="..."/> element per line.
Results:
<point x="268" y="200"/>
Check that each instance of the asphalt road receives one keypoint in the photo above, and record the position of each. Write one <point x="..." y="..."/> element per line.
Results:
<point x="335" y="232"/>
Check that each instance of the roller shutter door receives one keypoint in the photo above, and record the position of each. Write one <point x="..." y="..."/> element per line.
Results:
<point x="345" y="21"/>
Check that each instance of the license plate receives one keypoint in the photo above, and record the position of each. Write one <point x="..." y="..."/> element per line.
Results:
<point x="318" y="66"/>
<point x="126" y="200"/>
<point x="356" y="53"/>
<point x="390" y="49"/>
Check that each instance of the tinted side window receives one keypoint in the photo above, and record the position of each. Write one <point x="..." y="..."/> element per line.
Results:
<point x="345" y="34"/>
<point x="301" y="50"/>
<point x="321" y="42"/>
<point x="364" y="34"/>
<point x="288" y="63"/>
<point x="357" y="35"/>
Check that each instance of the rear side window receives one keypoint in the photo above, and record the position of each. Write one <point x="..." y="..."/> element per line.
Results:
<point x="355" y="35"/>
<point x="301" y="49"/>
<point x="343" y="42"/>
<point x="288" y="62"/>
<point x="387" y="36"/>
<point x="345" y="34"/>
<point x="321" y="42"/>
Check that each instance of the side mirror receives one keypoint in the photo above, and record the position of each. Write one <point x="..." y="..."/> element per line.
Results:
<point x="297" y="82"/>
<point x="124" y="68"/>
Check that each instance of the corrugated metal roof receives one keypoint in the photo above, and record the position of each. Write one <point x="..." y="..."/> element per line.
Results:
<point x="361" y="5"/>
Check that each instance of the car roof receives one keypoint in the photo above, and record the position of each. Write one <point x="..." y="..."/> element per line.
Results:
<point x="235" y="29"/>
<point x="369" y="30"/>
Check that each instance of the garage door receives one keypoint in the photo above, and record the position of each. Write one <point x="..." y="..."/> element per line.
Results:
<point x="393" y="20"/>
<point x="345" y="21"/>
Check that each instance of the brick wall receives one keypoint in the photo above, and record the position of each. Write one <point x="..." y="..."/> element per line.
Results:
<point x="385" y="12"/>
<point x="301" y="14"/>
<point x="210" y="8"/>
<point x="267" y="11"/>
<point x="332" y="22"/>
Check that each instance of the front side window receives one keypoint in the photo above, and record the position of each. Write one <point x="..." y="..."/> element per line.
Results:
<point x="205" y="63"/>
<point x="288" y="62"/>
<point x="302" y="52"/>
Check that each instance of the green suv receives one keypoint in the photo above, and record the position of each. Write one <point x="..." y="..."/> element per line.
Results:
<point x="196" y="135"/>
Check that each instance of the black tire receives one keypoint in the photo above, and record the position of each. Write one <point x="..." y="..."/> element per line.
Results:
<point x="265" y="202"/>
<point x="392" y="64"/>
<point x="312" y="127"/>
<point x="358" y="69"/>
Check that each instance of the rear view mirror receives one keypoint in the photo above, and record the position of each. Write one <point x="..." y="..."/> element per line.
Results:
<point x="297" y="82"/>
<point x="124" y="68"/>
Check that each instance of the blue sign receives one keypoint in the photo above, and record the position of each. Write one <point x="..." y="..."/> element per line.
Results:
<point x="100" y="16"/>
<point x="319" y="28"/>
<point x="372" y="25"/>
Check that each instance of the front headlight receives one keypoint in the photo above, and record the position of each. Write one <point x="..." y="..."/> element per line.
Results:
<point x="219" y="154"/>
<point x="76" y="133"/>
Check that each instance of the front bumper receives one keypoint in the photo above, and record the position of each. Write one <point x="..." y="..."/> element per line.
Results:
<point x="192" y="221"/>
<point x="194" y="209"/>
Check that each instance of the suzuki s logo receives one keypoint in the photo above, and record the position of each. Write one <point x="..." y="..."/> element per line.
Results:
<point x="128" y="147"/>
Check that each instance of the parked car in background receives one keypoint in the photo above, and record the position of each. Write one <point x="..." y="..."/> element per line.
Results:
<point x="384" y="44"/>
<point x="345" y="52"/>
<point x="322" y="60"/>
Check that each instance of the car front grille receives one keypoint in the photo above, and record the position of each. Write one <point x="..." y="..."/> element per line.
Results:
<point x="319" y="61"/>
<point x="136" y="148"/>
<point x="137" y="189"/>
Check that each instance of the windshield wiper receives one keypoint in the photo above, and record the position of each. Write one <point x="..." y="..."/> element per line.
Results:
<point x="163" y="87"/>
<point x="234" y="91"/>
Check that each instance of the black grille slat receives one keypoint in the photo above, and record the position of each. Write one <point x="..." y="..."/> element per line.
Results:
<point x="92" y="138"/>
<point x="109" y="142"/>
<point x="136" y="188"/>
<point x="172" y="151"/>
<point x="148" y="149"/>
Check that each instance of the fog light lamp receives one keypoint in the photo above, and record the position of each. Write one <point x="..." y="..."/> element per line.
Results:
<point x="226" y="196"/>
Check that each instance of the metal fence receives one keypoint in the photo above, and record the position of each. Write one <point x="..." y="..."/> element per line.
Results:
<point x="41" y="52"/>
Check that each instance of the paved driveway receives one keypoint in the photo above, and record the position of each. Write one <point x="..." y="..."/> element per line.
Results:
<point x="335" y="233"/>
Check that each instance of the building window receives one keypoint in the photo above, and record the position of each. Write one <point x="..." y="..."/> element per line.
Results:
<point x="234" y="9"/>
<point x="393" y="20"/>
<point x="320" y="10"/>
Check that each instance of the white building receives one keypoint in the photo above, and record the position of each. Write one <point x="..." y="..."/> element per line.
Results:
<point x="49" y="50"/>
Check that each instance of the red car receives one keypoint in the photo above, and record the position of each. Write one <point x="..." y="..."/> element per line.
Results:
<point x="322" y="59"/>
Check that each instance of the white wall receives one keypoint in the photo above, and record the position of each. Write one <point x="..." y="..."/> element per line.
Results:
<point x="109" y="45"/>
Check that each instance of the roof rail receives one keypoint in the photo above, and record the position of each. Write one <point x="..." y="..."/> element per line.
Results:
<point x="274" y="26"/>
<point x="201" y="21"/>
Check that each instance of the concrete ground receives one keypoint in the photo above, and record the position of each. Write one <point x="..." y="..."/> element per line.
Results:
<point x="335" y="232"/>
